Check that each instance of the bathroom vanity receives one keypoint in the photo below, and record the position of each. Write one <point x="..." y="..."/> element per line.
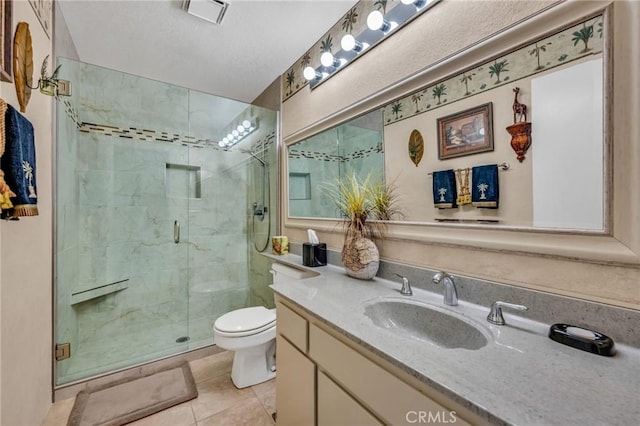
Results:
<point x="340" y="363"/>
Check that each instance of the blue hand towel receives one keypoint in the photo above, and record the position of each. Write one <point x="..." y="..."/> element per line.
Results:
<point x="19" y="163"/>
<point x="444" y="189"/>
<point x="485" y="191"/>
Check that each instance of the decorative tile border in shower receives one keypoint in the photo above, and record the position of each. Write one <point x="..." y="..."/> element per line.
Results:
<point x="149" y="135"/>
<point x="322" y="156"/>
<point x="145" y="135"/>
<point x="557" y="50"/>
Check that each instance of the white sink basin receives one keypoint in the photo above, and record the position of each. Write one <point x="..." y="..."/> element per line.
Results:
<point x="425" y="322"/>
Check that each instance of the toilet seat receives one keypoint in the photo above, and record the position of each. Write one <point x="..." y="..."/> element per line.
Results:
<point x="245" y="322"/>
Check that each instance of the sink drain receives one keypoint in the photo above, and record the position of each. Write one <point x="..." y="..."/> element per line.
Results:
<point x="182" y="339"/>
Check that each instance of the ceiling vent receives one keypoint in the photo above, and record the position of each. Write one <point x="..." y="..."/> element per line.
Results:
<point x="209" y="10"/>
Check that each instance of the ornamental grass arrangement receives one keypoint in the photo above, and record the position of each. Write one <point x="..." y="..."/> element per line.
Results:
<point x="365" y="205"/>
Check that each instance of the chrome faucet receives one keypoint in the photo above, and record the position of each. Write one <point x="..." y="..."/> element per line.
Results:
<point x="450" y="291"/>
<point x="406" y="287"/>
<point x="495" y="314"/>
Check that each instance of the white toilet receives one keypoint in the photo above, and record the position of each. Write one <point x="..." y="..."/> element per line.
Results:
<point x="251" y="334"/>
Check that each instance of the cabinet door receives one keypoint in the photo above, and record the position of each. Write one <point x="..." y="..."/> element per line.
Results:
<point x="337" y="408"/>
<point x="295" y="386"/>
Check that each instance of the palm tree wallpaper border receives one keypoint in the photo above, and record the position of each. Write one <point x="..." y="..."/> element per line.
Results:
<point x="353" y="22"/>
<point x="557" y="50"/>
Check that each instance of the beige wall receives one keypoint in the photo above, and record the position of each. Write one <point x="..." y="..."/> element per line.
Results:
<point x="26" y="264"/>
<point x="424" y="52"/>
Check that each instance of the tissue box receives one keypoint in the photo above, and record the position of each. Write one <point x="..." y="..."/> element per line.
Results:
<point x="314" y="254"/>
<point x="280" y="245"/>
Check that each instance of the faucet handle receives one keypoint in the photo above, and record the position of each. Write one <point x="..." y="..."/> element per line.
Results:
<point x="406" y="287"/>
<point x="495" y="314"/>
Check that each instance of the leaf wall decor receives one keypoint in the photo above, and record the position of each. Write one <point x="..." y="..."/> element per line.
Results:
<point x="416" y="147"/>
<point x="23" y="64"/>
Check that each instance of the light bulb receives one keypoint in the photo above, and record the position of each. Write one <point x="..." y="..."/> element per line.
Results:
<point x="309" y="73"/>
<point x="221" y="144"/>
<point x="246" y="124"/>
<point x="235" y="133"/>
<point x="328" y="60"/>
<point x="376" y="21"/>
<point x="240" y="128"/>
<point x="349" y="43"/>
<point x="230" y="137"/>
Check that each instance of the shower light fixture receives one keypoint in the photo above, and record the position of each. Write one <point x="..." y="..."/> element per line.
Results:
<point x="240" y="132"/>
<point x="379" y="25"/>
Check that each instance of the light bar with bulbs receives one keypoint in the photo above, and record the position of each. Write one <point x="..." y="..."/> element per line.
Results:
<point x="243" y="130"/>
<point x="379" y="26"/>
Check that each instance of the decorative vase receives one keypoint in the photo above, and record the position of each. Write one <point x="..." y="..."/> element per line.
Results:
<point x="360" y="257"/>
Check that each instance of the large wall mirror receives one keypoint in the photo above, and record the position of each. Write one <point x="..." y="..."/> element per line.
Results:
<point x="562" y="183"/>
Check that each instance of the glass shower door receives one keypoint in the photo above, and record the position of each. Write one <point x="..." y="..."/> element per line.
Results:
<point x="122" y="213"/>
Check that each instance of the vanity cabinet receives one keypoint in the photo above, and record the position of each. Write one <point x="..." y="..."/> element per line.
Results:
<point x="296" y="381"/>
<point x="337" y="407"/>
<point x="326" y="379"/>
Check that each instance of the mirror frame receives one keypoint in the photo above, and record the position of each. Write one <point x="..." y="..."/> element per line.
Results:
<point x="619" y="244"/>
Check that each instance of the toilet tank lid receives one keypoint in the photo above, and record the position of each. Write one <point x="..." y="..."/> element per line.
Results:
<point x="246" y="319"/>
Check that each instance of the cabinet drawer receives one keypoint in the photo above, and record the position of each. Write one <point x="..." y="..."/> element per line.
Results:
<point x="295" y="386"/>
<point x="338" y="408"/>
<point x="392" y="400"/>
<point x="292" y="326"/>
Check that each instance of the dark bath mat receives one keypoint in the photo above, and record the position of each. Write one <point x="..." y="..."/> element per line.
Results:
<point x="125" y="401"/>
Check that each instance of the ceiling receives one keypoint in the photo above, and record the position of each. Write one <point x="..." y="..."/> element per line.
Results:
<point x="255" y="43"/>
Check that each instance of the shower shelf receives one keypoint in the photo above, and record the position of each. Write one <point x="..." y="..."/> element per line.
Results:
<point x="80" y="296"/>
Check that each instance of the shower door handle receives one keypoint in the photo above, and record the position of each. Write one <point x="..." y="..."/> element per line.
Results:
<point x="176" y="231"/>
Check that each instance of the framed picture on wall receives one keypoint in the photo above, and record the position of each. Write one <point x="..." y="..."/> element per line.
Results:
<point x="6" y="57"/>
<point x="466" y="132"/>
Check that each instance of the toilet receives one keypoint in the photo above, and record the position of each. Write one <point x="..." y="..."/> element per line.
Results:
<point x="251" y="334"/>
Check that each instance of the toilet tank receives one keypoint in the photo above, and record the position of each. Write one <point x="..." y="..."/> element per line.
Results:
<point x="282" y="272"/>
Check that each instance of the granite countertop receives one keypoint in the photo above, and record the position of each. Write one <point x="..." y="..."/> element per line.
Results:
<point x="520" y="377"/>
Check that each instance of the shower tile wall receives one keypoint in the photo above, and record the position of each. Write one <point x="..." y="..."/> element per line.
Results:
<point x="115" y="222"/>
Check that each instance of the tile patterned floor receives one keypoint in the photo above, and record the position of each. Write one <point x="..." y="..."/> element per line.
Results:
<point x="219" y="402"/>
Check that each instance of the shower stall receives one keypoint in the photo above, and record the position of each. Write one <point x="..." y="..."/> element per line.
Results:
<point x="157" y="226"/>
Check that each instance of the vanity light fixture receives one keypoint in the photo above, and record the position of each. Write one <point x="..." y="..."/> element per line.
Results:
<point x="378" y="27"/>
<point x="243" y="130"/>
<point x="417" y="3"/>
